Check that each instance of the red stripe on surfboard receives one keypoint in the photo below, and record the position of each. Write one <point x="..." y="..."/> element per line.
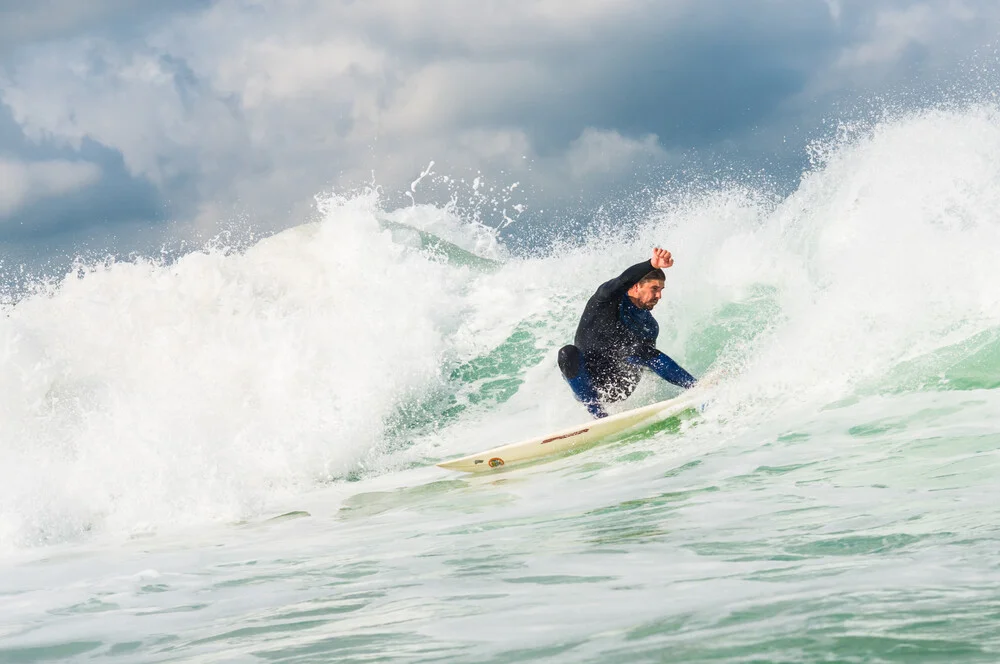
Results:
<point x="568" y="435"/>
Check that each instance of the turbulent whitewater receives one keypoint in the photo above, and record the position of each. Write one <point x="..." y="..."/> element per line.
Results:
<point x="230" y="455"/>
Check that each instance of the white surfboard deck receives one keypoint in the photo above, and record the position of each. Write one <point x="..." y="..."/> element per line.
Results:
<point x="578" y="436"/>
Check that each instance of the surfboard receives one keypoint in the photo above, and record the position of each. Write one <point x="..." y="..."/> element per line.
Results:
<point x="568" y="439"/>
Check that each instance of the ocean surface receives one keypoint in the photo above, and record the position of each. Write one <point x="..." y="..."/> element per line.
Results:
<point x="229" y="457"/>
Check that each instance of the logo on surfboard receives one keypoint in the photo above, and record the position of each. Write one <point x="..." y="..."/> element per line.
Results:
<point x="496" y="462"/>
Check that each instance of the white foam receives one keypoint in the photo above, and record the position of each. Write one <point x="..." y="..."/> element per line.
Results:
<point x="151" y="394"/>
<point x="143" y="394"/>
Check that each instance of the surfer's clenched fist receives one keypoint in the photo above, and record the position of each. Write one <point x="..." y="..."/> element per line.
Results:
<point x="661" y="258"/>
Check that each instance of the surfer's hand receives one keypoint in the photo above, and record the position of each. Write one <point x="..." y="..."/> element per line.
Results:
<point x="661" y="258"/>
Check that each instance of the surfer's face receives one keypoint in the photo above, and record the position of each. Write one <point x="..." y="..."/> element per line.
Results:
<point x="646" y="294"/>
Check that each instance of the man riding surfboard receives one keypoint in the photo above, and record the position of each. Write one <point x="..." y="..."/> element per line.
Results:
<point x="616" y="338"/>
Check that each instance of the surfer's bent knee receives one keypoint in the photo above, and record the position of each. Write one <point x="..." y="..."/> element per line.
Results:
<point x="570" y="359"/>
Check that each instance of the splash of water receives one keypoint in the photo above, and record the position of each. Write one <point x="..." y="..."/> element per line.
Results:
<point x="138" y="394"/>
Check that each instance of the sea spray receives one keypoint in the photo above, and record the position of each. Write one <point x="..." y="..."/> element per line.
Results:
<point x="140" y="394"/>
<point x="136" y="394"/>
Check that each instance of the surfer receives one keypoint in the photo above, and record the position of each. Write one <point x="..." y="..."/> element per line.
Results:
<point x="616" y="338"/>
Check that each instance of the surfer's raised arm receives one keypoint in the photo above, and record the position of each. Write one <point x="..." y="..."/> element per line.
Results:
<point x="616" y="337"/>
<point x="630" y="277"/>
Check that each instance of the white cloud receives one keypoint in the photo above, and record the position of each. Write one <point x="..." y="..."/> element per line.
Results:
<point x="945" y="28"/>
<point x="47" y="18"/>
<point x="131" y="102"/>
<point x="22" y="183"/>
<point x="897" y="54"/>
<point x="835" y="9"/>
<point x="893" y="32"/>
<point x="262" y="103"/>
<point x="607" y="152"/>
<point x="266" y="102"/>
<point x="444" y="95"/>
<point x="28" y="21"/>
<point x="277" y="72"/>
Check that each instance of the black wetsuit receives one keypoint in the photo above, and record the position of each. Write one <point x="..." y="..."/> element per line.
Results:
<point x="614" y="340"/>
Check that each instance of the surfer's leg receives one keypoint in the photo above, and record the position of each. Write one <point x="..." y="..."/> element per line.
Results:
<point x="574" y="370"/>
<point x="663" y="367"/>
<point x="618" y="381"/>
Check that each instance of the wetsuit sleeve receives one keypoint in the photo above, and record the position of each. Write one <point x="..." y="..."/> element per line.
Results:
<point x="664" y="367"/>
<point x="614" y="289"/>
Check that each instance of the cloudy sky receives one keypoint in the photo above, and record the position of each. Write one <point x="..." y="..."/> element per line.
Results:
<point x="118" y="118"/>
